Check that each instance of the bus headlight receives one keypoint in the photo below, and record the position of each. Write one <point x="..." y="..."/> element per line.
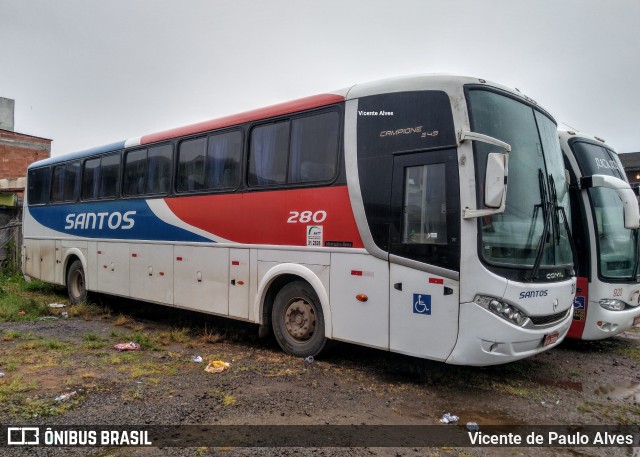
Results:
<point x="508" y="312"/>
<point x="612" y="304"/>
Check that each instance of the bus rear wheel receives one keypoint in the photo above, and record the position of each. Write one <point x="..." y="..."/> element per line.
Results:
<point x="76" y="285"/>
<point x="298" y="322"/>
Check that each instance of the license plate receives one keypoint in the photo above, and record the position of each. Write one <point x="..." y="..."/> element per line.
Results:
<point x="550" y="339"/>
<point x="636" y="320"/>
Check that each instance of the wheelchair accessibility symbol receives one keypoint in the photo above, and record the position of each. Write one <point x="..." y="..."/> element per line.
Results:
<point x="421" y="304"/>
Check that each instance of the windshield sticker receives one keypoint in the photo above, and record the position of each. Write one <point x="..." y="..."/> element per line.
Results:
<point x="607" y="164"/>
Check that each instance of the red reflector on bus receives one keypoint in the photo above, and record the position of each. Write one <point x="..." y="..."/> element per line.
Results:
<point x="99" y="252"/>
<point x="161" y="273"/>
<point x="235" y="262"/>
<point x="436" y="281"/>
<point x="356" y="273"/>
<point x="134" y="255"/>
<point x="179" y="259"/>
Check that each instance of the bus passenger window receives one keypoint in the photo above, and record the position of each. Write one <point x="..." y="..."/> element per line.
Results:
<point x="109" y="176"/>
<point x="191" y="160"/>
<point x="91" y="179"/>
<point x="66" y="182"/>
<point x="223" y="160"/>
<point x="158" y="169"/>
<point x="314" y="148"/>
<point x="425" y="209"/>
<point x="39" y="184"/>
<point x="134" y="172"/>
<point x="269" y="154"/>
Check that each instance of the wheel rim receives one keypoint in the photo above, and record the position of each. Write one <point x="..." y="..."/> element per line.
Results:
<point x="300" y="319"/>
<point x="77" y="284"/>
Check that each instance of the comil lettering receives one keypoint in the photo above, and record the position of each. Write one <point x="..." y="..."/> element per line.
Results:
<point x="91" y="221"/>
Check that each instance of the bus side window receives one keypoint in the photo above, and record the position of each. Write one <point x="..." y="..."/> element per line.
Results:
<point x="191" y="159"/>
<point x="134" y="172"/>
<point x="268" y="154"/>
<point x="91" y="179"/>
<point x="39" y="185"/>
<point x="314" y="148"/>
<point x="425" y="215"/>
<point x="66" y="182"/>
<point x="223" y="160"/>
<point x="158" y="169"/>
<point x="109" y="176"/>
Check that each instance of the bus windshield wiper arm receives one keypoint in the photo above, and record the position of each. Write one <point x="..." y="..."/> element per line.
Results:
<point x="546" y="214"/>
<point x="554" y="202"/>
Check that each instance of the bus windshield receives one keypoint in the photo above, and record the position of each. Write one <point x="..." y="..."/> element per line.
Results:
<point x="532" y="231"/>
<point x="617" y="245"/>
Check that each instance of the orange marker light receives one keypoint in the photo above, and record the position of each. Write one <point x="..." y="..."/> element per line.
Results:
<point x="362" y="297"/>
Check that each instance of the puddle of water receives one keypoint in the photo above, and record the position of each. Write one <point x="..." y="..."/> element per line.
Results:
<point x="629" y="391"/>
<point x="568" y="385"/>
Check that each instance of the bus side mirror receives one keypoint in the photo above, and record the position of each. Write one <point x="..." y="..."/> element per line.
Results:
<point x="495" y="177"/>
<point x="495" y="189"/>
<point x="625" y="193"/>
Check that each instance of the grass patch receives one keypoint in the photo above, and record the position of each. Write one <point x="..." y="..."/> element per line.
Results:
<point x="211" y="336"/>
<point x="42" y="408"/>
<point x="16" y="385"/>
<point x="146" y="341"/>
<point x="228" y="399"/>
<point x="10" y="335"/>
<point x="26" y="301"/>
<point x="174" y="336"/>
<point x="632" y="352"/>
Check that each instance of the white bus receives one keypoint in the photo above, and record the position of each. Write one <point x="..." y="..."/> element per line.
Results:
<point x="605" y="231"/>
<point x="377" y="215"/>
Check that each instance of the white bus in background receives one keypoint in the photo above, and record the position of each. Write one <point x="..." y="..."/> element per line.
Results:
<point x="378" y="215"/>
<point x="605" y="231"/>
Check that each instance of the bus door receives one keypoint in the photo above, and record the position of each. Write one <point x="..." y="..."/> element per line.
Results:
<point x="425" y="249"/>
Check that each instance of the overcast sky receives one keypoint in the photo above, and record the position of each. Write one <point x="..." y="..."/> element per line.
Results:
<point x="86" y="72"/>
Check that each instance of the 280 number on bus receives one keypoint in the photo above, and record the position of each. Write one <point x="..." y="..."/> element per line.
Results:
<point x="305" y="217"/>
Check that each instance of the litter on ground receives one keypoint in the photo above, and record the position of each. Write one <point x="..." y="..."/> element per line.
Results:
<point x="449" y="419"/>
<point x="127" y="346"/>
<point x="217" y="366"/>
<point x="65" y="397"/>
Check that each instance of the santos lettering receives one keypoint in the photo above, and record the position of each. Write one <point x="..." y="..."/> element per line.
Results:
<point x="90" y="221"/>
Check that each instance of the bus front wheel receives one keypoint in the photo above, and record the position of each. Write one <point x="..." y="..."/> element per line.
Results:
<point x="298" y="322"/>
<point x="76" y="285"/>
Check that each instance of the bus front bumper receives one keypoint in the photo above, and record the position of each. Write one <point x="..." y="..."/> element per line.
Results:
<point x="612" y="323"/>
<point x="486" y="339"/>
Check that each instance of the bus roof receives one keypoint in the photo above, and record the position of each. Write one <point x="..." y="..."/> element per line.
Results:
<point x="395" y="84"/>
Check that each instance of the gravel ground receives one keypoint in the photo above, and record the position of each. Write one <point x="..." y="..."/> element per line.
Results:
<point x="578" y="383"/>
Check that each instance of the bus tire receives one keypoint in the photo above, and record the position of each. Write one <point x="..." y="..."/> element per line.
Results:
<point x="76" y="283"/>
<point x="297" y="319"/>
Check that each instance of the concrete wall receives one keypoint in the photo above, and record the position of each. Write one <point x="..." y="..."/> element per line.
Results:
<point x="7" y="107"/>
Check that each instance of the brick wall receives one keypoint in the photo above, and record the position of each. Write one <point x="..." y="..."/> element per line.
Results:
<point x="18" y="151"/>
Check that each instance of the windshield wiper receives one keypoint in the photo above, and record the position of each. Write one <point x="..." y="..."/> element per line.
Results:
<point x="560" y="208"/>
<point x="554" y="202"/>
<point x="547" y="213"/>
